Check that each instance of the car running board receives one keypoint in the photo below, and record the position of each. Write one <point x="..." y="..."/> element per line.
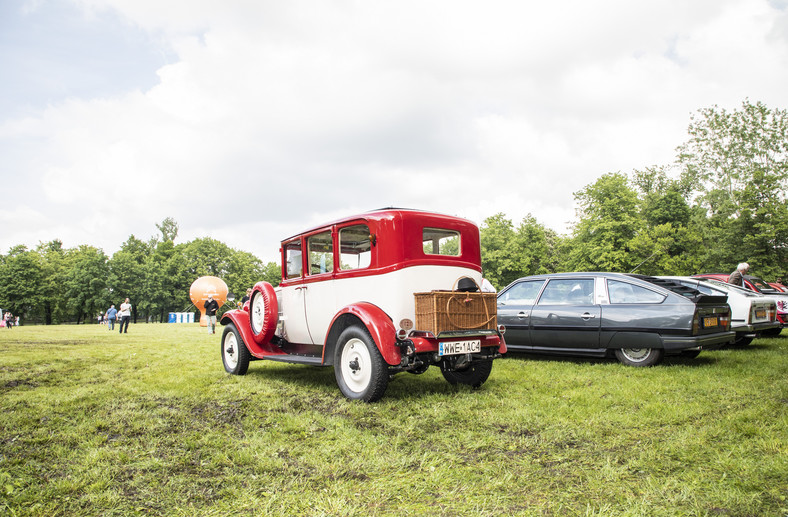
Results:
<point x="298" y="359"/>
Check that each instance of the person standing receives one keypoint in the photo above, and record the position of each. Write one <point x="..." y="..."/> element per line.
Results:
<point x="112" y="313"/>
<point x="737" y="277"/>
<point x="211" y="306"/>
<point x="125" y="316"/>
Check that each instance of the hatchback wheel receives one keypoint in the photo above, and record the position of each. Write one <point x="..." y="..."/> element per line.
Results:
<point x="639" y="356"/>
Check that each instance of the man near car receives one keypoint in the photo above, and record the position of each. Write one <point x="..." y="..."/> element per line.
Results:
<point x="211" y="306"/>
<point x="737" y="277"/>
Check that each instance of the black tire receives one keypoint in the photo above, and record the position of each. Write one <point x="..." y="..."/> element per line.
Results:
<point x="235" y="355"/>
<point x="639" y="356"/>
<point x="774" y="332"/>
<point x="474" y="375"/>
<point x="361" y="372"/>
<point x="689" y="354"/>
<point x="743" y="341"/>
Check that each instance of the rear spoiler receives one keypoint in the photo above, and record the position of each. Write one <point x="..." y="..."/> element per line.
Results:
<point x="683" y="290"/>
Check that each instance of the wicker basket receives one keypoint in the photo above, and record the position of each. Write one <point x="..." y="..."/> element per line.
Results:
<point x="440" y="311"/>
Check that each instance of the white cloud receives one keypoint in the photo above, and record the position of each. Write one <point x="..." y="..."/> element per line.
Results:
<point x="269" y="117"/>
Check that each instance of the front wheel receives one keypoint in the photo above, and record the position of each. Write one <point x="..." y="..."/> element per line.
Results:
<point x="358" y="366"/>
<point x="235" y="355"/>
<point x="639" y="356"/>
<point x="474" y="375"/>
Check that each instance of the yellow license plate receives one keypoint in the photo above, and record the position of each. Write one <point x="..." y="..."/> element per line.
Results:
<point x="709" y="322"/>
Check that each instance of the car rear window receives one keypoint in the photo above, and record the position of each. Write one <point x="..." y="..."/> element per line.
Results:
<point x="437" y="241"/>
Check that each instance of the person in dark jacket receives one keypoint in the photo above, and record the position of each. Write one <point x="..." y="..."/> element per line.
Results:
<point x="211" y="306"/>
<point x="737" y="277"/>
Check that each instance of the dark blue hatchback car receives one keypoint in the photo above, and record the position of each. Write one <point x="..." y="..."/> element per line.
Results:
<point x="637" y="318"/>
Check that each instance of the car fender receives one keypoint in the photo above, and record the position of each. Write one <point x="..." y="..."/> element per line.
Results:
<point x="240" y="318"/>
<point x="377" y="323"/>
<point x="635" y="340"/>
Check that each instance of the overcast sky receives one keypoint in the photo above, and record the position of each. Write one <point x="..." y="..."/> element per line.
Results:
<point x="251" y="120"/>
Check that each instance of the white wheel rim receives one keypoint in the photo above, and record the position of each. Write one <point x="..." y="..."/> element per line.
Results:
<point x="230" y="350"/>
<point x="356" y="361"/>
<point x="636" y="354"/>
<point x="257" y="313"/>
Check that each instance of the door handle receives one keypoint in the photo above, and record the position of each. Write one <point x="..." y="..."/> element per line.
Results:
<point x="300" y="287"/>
<point x="588" y="316"/>
<point x="522" y="315"/>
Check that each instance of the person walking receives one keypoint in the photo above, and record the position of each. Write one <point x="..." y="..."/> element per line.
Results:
<point x="112" y="313"/>
<point x="125" y="316"/>
<point x="211" y="306"/>
<point x="737" y="277"/>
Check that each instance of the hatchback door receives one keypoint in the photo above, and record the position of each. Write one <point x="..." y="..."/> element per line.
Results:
<point x="565" y="316"/>
<point x="514" y="311"/>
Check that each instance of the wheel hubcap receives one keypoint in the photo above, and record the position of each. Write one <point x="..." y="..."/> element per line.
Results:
<point x="636" y="354"/>
<point x="230" y="357"/>
<point x="355" y="365"/>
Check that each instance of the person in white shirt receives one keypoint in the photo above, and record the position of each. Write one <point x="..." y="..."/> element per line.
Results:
<point x="125" y="316"/>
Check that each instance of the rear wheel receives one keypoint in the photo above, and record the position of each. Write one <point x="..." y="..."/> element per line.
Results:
<point x="771" y="332"/>
<point x="235" y="355"/>
<point x="360" y="370"/>
<point x="743" y="341"/>
<point x="639" y="356"/>
<point x="473" y="375"/>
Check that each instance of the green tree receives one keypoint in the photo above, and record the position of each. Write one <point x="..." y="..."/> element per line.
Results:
<point x="509" y="253"/>
<point x="739" y="161"/>
<point x="52" y="307"/>
<point x="86" y="282"/>
<point x="22" y="280"/>
<point x="608" y="221"/>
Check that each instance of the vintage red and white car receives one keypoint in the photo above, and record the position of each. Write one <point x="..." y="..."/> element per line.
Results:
<point x="388" y="291"/>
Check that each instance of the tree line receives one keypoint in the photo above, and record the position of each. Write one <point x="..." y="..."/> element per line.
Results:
<point x="50" y="284"/>
<point x="720" y="202"/>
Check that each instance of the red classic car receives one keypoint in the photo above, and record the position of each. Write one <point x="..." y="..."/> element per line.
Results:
<point x="373" y="295"/>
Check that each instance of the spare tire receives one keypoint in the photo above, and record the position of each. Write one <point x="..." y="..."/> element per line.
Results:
<point x="263" y="312"/>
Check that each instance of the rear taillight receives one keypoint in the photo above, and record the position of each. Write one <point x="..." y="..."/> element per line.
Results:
<point x="695" y="324"/>
<point x="772" y="313"/>
<point x="725" y="321"/>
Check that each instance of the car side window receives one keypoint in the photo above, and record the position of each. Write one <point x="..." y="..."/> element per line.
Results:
<point x="293" y="259"/>
<point x="568" y="291"/>
<point x="355" y="247"/>
<point x="622" y="292"/>
<point x="321" y="253"/>
<point x="523" y="293"/>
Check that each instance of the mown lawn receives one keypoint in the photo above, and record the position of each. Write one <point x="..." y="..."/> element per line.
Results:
<point x="147" y="423"/>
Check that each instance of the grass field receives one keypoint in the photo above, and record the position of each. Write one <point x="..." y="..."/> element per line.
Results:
<point x="147" y="423"/>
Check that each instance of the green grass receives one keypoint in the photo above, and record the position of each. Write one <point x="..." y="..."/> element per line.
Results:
<point x="147" y="423"/>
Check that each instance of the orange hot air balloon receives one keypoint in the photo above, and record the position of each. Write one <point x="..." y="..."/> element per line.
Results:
<point x="200" y="290"/>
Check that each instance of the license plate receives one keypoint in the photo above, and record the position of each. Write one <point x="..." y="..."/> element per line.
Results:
<point x="760" y="314"/>
<point x="709" y="322"/>
<point x="459" y="347"/>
